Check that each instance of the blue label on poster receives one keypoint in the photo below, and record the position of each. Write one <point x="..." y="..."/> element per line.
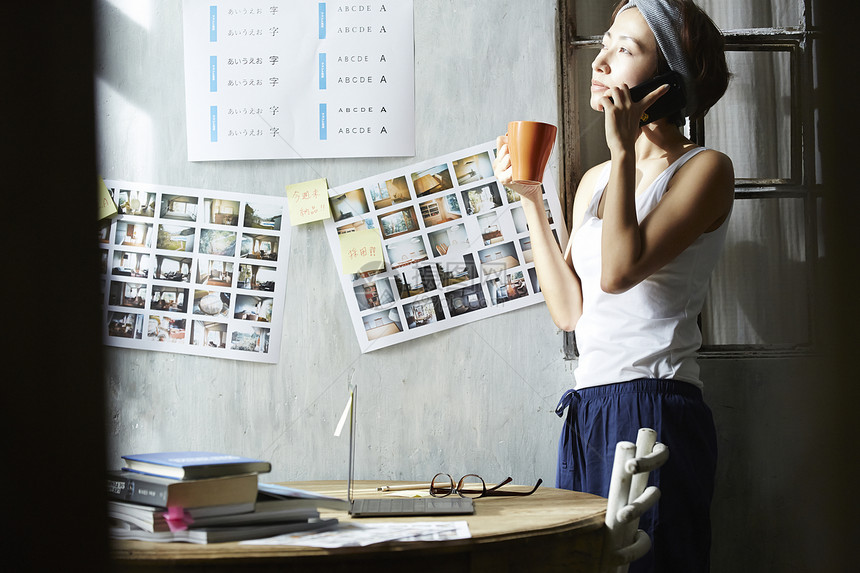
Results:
<point x="213" y="23"/>
<point x="213" y="123"/>
<point x="322" y="20"/>
<point x="323" y="121"/>
<point x="322" y="71"/>
<point x="213" y="73"/>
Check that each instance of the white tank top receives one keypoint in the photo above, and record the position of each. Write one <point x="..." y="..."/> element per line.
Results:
<point x="651" y="330"/>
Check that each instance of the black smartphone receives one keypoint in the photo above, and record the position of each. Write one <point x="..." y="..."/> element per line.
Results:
<point x="670" y="102"/>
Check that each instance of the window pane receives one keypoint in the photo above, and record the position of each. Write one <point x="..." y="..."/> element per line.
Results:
<point x="592" y="18"/>
<point x="752" y="122"/>
<point x="816" y="113"/>
<point x="734" y="14"/>
<point x="760" y="289"/>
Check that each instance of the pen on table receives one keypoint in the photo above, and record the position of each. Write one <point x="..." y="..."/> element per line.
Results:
<point x="403" y="487"/>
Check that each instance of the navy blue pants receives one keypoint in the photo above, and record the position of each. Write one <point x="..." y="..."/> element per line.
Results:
<point x="599" y="417"/>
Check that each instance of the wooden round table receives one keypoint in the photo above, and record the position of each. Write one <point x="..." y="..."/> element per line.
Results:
<point x="550" y="530"/>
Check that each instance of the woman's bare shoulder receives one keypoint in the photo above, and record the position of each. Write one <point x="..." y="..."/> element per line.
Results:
<point x="707" y="171"/>
<point x="588" y="182"/>
<point x="594" y="172"/>
<point x="705" y="183"/>
<point x="711" y="161"/>
<point x="585" y="192"/>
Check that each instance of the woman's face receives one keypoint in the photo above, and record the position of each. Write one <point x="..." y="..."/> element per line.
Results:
<point x="628" y="55"/>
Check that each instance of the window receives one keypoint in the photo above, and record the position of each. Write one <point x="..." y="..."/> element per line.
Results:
<point x="762" y="290"/>
<point x="453" y="205"/>
<point x="379" y="192"/>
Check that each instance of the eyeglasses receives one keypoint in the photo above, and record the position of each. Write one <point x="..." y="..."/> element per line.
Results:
<point x="472" y="485"/>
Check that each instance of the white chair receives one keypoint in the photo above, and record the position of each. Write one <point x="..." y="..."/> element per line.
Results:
<point x="629" y="499"/>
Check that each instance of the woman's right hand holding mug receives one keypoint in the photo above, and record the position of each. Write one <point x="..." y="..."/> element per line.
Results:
<point x="504" y="172"/>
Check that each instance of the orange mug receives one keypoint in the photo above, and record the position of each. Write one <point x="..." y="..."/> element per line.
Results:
<point x="530" y="144"/>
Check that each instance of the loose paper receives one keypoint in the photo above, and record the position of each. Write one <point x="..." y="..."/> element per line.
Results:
<point x="455" y="247"/>
<point x="303" y="79"/>
<point x="194" y="271"/>
<point x="308" y="201"/>
<point x="363" y="534"/>
<point x="360" y="250"/>
<point x="107" y="207"/>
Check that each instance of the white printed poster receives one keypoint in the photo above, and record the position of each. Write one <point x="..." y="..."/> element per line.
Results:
<point x="300" y="79"/>
<point x="455" y="245"/>
<point x="194" y="271"/>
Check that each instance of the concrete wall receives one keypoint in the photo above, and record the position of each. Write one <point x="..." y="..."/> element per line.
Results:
<point x="479" y="398"/>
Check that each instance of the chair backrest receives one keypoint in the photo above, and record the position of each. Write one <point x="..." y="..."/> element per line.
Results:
<point x="629" y="498"/>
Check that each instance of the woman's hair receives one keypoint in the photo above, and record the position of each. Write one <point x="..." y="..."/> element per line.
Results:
<point x="704" y="47"/>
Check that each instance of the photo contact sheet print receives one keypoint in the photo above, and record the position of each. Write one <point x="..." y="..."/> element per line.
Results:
<point x="455" y="245"/>
<point x="299" y="79"/>
<point x="194" y="271"/>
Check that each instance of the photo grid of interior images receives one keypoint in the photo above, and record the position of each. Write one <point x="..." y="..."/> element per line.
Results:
<point x="194" y="271"/>
<point x="455" y="244"/>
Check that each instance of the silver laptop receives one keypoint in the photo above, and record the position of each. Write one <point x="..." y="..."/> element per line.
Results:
<point x="394" y="506"/>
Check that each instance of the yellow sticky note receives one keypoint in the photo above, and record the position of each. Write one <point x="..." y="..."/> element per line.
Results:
<point x="361" y="251"/>
<point x="308" y="202"/>
<point x="106" y="205"/>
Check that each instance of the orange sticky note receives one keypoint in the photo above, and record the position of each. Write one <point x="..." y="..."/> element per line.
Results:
<point x="361" y="251"/>
<point x="107" y="207"/>
<point x="308" y="202"/>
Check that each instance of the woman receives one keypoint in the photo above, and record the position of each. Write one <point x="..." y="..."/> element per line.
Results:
<point x="647" y="228"/>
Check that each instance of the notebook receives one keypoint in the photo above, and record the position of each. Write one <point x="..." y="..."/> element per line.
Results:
<point x="397" y="506"/>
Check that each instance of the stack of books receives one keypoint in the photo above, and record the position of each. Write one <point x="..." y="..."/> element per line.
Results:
<point x="203" y="497"/>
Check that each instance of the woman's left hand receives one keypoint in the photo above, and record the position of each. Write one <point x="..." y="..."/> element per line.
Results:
<point x="621" y="115"/>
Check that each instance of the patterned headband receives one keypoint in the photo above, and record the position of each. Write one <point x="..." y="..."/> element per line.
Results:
<point x="665" y="21"/>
